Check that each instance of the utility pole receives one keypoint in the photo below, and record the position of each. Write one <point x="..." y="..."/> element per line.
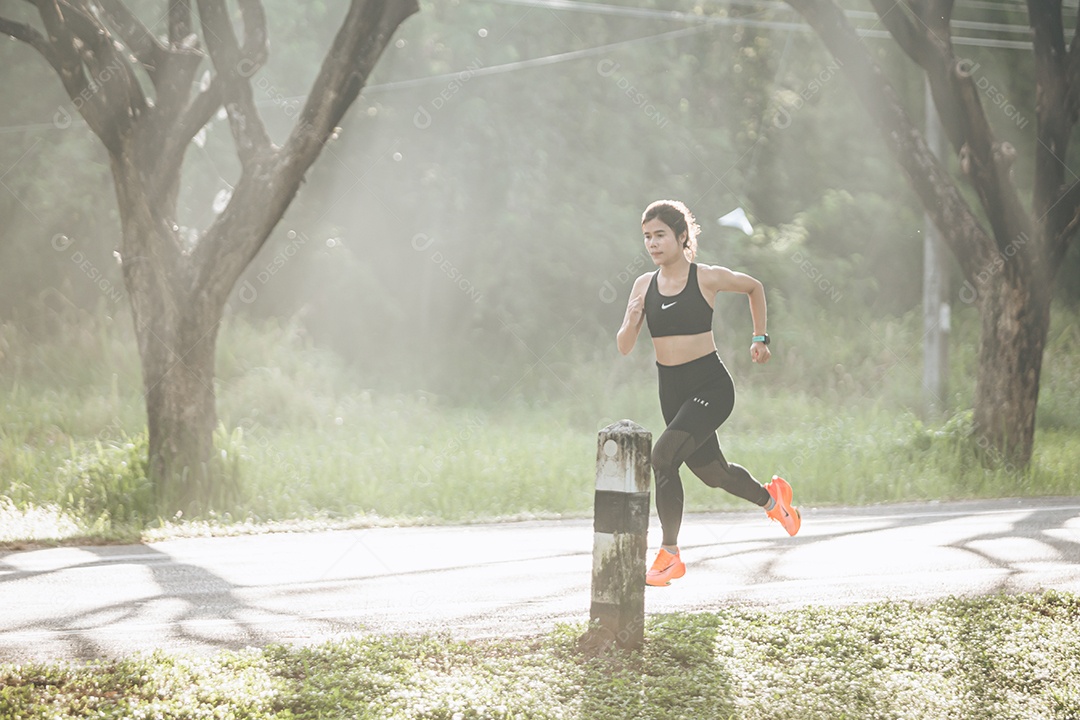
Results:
<point x="936" y="310"/>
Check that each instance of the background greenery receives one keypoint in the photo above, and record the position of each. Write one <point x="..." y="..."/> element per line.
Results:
<point x="430" y="331"/>
<point x="302" y="436"/>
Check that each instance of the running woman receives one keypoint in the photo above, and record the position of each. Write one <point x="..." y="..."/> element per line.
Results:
<point x="696" y="391"/>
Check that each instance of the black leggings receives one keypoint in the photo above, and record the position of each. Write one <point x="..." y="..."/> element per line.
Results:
<point x="696" y="398"/>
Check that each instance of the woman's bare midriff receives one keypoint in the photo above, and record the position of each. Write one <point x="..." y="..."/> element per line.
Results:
<point x="679" y="349"/>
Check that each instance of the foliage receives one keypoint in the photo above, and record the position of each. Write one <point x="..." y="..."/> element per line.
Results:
<point x="107" y="482"/>
<point x="958" y="657"/>
<point x="472" y="222"/>
<point x="502" y="224"/>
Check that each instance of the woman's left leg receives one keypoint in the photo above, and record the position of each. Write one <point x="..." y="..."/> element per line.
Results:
<point x="709" y="464"/>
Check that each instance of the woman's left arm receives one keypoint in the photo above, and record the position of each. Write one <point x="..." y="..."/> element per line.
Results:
<point x="719" y="279"/>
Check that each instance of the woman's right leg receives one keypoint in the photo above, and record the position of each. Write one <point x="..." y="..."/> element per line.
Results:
<point x="669" y="452"/>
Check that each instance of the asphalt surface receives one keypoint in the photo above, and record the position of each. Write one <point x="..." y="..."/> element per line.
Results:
<point x="508" y="579"/>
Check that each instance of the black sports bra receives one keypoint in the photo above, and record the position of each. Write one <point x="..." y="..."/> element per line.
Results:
<point x="687" y="313"/>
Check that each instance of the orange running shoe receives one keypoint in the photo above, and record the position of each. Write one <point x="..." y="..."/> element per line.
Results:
<point x="665" y="568"/>
<point x="783" y="512"/>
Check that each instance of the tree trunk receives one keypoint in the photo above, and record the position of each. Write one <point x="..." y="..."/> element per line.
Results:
<point x="1009" y="274"/>
<point x="176" y="332"/>
<point x="1015" y="316"/>
<point x="178" y="376"/>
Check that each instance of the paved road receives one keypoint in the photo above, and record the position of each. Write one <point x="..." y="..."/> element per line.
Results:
<point x="507" y="579"/>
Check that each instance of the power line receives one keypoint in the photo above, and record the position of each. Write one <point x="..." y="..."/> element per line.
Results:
<point x="678" y="16"/>
<point x="32" y="126"/>
<point x="701" y="23"/>
<point x="458" y="76"/>
<point x="1017" y="7"/>
<point x="962" y="24"/>
<point x="1004" y="5"/>
<point x="534" y="62"/>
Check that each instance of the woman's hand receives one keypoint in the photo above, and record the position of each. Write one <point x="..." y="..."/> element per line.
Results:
<point x="759" y="352"/>
<point x="635" y="311"/>
<point x="635" y="315"/>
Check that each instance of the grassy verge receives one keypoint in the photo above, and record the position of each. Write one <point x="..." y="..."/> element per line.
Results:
<point x="301" y="440"/>
<point x="956" y="658"/>
<point x="403" y="462"/>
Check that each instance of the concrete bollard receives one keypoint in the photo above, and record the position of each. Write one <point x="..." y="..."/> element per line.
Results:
<point x="620" y="528"/>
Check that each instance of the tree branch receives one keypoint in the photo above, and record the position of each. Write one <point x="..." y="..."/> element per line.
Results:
<point x="174" y="88"/>
<point x="113" y="78"/>
<point x="235" y="68"/>
<point x="936" y="16"/>
<point x="986" y="161"/>
<point x="179" y="66"/>
<point x="930" y="180"/>
<point x="256" y="41"/>
<point x="188" y="123"/>
<point x="344" y="72"/>
<point x="930" y="48"/>
<point x="180" y="27"/>
<point x="233" y="240"/>
<point x="1073" y="73"/>
<point x="67" y="53"/>
<point x="59" y="35"/>
<point x="1066" y="216"/>
<point x="1054" y="109"/>
<point x="902" y="27"/>
<point x="147" y="49"/>
<point x="1056" y="207"/>
<point x="34" y="39"/>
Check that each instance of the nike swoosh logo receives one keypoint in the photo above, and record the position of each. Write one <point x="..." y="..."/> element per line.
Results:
<point x="665" y="307"/>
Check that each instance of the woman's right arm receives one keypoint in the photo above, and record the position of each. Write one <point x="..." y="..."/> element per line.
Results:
<point x="635" y="315"/>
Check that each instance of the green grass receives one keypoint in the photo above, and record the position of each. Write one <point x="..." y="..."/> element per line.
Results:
<point x="302" y="437"/>
<point x="957" y="658"/>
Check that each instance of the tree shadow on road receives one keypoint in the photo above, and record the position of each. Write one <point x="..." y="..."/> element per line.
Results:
<point x="1061" y="542"/>
<point x="1044" y="524"/>
<point x="190" y="607"/>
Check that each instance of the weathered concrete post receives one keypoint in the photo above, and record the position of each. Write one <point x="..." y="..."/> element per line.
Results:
<point x="620" y="527"/>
